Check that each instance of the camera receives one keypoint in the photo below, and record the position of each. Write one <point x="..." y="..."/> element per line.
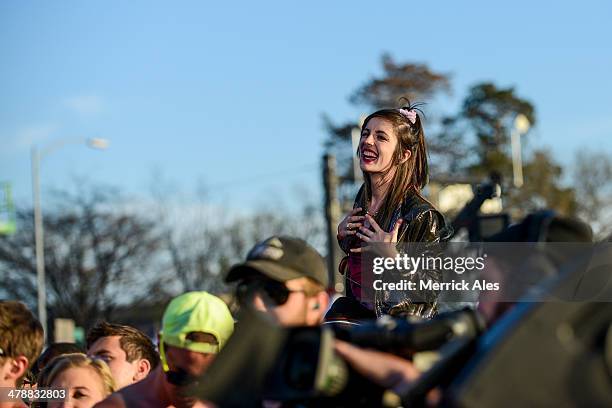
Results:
<point x="265" y="362"/>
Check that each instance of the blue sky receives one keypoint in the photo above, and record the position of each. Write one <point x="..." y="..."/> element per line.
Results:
<point x="226" y="93"/>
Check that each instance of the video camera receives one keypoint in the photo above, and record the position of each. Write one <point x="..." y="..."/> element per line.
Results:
<point x="299" y="365"/>
<point x="482" y="226"/>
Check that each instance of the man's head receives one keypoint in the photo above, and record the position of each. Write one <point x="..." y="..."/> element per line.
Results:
<point x="285" y="278"/>
<point x="21" y="340"/>
<point x="195" y="326"/>
<point x="129" y="353"/>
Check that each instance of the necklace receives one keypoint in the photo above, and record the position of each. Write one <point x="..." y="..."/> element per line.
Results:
<point x="369" y="209"/>
<point x="372" y="213"/>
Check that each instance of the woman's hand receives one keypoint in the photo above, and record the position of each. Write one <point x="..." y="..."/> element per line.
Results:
<point x="349" y="225"/>
<point x="375" y="234"/>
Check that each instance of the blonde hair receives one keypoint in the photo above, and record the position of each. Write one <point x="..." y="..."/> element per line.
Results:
<point x="78" y="360"/>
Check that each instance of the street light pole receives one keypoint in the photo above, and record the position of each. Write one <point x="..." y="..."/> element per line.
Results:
<point x="36" y="157"/>
<point x="38" y="239"/>
<point x="520" y="127"/>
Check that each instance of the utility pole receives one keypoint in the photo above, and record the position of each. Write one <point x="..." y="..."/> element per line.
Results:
<point x="36" y="157"/>
<point x="332" y="217"/>
<point x="39" y="244"/>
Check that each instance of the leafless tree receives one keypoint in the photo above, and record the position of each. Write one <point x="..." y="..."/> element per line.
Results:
<point x="95" y="257"/>
<point x="593" y="185"/>
<point x="201" y="240"/>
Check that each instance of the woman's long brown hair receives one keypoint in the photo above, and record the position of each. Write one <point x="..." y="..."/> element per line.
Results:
<point x="411" y="175"/>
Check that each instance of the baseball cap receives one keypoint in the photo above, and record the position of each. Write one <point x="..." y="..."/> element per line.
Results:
<point x="282" y="258"/>
<point x="197" y="311"/>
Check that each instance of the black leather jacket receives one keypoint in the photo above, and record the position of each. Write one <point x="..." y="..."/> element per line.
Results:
<point x="421" y="223"/>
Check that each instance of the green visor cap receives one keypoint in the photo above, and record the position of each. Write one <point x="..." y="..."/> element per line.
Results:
<point x="196" y="312"/>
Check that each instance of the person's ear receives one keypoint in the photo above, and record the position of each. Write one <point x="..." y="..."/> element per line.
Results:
<point x="143" y="367"/>
<point x="407" y="154"/>
<point x="317" y="307"/>
<point x="323" y="301"/>
<point x="17" y="368"/>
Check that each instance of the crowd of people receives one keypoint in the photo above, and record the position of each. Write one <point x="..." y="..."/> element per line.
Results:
<point x="282" y="278"/>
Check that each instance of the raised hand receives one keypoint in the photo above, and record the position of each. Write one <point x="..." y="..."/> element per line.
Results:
<point x="375" y="234"/>
<point x="349" y="225"/>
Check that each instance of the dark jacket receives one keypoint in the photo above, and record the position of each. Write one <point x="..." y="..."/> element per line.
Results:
<point x="421" y="223"/>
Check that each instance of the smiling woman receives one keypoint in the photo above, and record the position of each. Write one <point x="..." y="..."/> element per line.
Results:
<point x="87" y="381"/>
<point x="390" y="207"/>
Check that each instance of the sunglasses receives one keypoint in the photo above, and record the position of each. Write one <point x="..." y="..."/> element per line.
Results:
<point x="274" y="290"/>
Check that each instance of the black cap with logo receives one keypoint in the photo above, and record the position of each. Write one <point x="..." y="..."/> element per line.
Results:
<point x="282" y="258"/>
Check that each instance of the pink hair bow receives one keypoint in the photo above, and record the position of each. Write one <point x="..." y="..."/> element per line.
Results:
<point x="411" y="115"/>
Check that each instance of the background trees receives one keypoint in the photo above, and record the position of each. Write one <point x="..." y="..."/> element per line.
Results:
<point x="95" y="257"/>
<point x="470" y="144"/>
<point x="593" y="187"/>
<point x="106" y="254"/>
